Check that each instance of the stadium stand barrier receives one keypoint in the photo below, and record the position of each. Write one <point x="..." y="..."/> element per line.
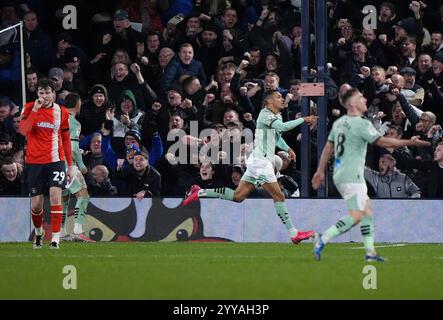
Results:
<point x="158" y="219"/>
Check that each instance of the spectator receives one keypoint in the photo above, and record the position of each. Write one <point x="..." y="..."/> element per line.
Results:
<point x="374" y="46"/>
<point x="153" y="72"/>
<point x="281" y="61"/>
<point x="215" y="111"/>
<point x="387" y="18"/>
<point x="232" y="49"/>
<point x="93" y="111"/>
<point x="256" y="63"/>
<point x="225" y="73"/>
<point x="6" y="145"/>
<point x="415" y="94"/>
<point x="64" y="41"/>
<point x="151" y="48"/>
<point x="436" y="44"/>
<point x="10" y="63"/>
<point x="397" y="84"/>
<point x="100" y="152"/>
<point x="176" y="124"/>
<point x="433" y="168"/>
<point x="170" y="33"/>
<point x="395" y="131"/>
<point x="191" y="27"/>
<point x="10" y="179"/>
<point x="409" y="52"/>
<point x="57" y="76"/>
<point x="6" y="110"/>
<point x="350" y="63"/>
<point x="127" y="116"/>
<point x="17" y="137"/>
<point x="424" y="64"/>
<point x="235" y="177"/>
<point x="100" y="71"/>
<point x="208" y="48"/>
<point x="183" y="64"/>
<point x="134" y="82"/>
<point x="71" y="60"/>
<point x="31" y="84"/>
<point x="272" y="82"/>
<point x="133" y="142"/>
<point x="141" y="179"/>
<point x="9" y="15"/>
<point x="37" y="43"/>
<point x="230" y="21"/>
<point x="264" y="28"/>
<point x="100" y="184"/>
<point x="427" y="127"/>
<point x="389" y="182"/>
<point x="119" y="36"/>
<point x="423" y="122"/>
<point x="121" y="56"/>
<point x="207" y="176"/>
<point x="176" y="103"/>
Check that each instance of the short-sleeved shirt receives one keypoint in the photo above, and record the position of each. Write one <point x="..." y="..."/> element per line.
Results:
<point x="350" y="136"/>
<point x="265" y="136"/>
<point x="44" y="143"/>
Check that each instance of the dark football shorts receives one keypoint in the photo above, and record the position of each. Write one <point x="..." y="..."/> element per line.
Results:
<point x="41" y="177"/>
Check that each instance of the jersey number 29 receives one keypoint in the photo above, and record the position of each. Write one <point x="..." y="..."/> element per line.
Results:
<point x="58" y="176"/>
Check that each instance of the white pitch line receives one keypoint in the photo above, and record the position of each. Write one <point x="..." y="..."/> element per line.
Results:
<point x="386" y="246"/>
<point x="56" y="256"/>
<point x="141" y="256"/>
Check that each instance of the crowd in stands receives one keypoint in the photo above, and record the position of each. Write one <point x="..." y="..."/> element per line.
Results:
<point x="150" y="70"/>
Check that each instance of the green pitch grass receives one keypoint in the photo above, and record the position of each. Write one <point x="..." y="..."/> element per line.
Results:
<point x="217" y="271"/>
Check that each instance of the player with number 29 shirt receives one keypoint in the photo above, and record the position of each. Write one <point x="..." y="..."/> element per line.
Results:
<point x="45" y="125"/>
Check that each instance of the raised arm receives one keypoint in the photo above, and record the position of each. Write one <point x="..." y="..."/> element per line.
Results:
<point x="28" y="118"/>
<point x="385" y="142"/>
<point x="286" y="126"/>
<point x="289" y="125"/>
